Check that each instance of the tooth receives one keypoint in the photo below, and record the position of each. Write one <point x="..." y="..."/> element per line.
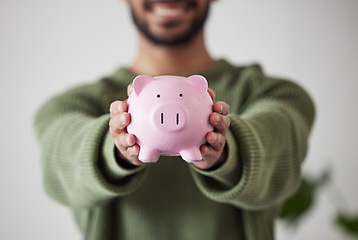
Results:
<point x="167" y="11"/>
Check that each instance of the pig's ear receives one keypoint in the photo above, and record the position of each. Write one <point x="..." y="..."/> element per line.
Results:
<point x="199" y="82"/>
<point x="139" y="82"/>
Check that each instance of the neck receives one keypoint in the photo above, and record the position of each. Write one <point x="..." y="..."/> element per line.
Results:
<point x="157" y="60"/>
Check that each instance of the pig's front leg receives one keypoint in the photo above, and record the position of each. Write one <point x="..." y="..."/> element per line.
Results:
<point x="148" y="155"/>
<point x="191" y="154"/>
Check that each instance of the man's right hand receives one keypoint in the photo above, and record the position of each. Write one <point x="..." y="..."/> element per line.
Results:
<point x="127" y="149"/>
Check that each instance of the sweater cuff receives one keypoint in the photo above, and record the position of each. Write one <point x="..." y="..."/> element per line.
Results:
<point x="229" y="173"/>
<point x="111" y="169"/>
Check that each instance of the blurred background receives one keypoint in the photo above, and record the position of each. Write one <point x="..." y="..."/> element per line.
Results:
<point x="49" y="46"/>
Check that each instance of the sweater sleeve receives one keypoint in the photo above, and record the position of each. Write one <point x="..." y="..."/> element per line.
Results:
<point x="267" y="143"/>
<point x="77" y="150"/>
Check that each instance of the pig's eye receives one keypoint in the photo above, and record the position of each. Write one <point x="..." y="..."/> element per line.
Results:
<point x="180" y="95"/>
<point x="158" y="95"/>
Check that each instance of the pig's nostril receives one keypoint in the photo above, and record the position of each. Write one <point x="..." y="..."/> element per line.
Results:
<point x="162" y="118"/>
<point x="177" y="118"/>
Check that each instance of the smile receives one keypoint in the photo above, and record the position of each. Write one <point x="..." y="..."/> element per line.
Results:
<point x="168" y="12"/>
<point x="169" y="9"/>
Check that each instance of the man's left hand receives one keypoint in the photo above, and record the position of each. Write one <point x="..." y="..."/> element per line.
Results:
<point x="214" y="153"/>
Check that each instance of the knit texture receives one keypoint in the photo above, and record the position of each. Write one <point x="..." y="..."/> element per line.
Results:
<point x="267" y="141"/>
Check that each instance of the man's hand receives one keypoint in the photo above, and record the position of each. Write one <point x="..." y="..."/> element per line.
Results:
<point x="214" y="153"/>
<point x="127" y="149"/>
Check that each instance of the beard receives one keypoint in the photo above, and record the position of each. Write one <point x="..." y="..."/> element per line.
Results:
<point x="182" y="38"/>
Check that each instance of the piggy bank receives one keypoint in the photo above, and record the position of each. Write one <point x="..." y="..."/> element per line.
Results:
<point x="170" y="116"/>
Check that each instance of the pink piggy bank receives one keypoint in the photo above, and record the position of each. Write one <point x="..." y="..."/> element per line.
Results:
<point x="170" y="116"/>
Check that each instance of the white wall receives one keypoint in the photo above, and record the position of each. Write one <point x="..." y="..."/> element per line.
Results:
<point x="49" y="46"/>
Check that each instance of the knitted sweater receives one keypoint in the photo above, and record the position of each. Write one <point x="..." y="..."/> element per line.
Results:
<point x="171" y="199"/>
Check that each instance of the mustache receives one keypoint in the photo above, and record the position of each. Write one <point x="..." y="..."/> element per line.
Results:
<point x="189" y="3"/>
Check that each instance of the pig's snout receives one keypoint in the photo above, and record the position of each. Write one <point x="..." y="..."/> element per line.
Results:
<point x="169" y="117"/>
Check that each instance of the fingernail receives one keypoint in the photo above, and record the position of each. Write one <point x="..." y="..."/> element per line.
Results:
<point x="129" y="141"/>
<point x="214" y="140"/>
<point x="123" y="119"/>
<point x="120" y="108"/>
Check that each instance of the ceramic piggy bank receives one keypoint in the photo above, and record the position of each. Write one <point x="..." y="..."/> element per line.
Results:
<point x="170" y="116"/>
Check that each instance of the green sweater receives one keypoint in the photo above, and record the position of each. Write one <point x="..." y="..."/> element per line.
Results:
<point x="267" y="142"/>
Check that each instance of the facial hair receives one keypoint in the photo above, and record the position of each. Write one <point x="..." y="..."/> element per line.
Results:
<point x="181" y="39"/>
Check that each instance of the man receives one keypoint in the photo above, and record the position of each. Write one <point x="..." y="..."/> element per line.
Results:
<point x="251" y="161"/>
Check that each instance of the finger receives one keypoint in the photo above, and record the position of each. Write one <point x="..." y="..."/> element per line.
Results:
<point x="122" y="106"/>
<point x="221" y="107"/>
<point x="130" y="155"/>
<point x="118" y="107"/>
<point x="120" y="122"/>
<point x="216" y="140"/>
<point x="212" y="94"/>
<point x="133" y="153"/>
<point x="135" y="150"/>
<point x="126" y="140"/>
<point x="113" y="108"/>
<point x="208" y="154"/>
<point x="220" y="122"/>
